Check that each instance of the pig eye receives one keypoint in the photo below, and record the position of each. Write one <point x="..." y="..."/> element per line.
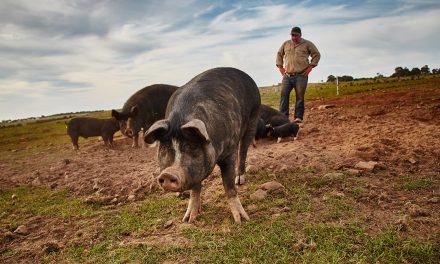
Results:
<point x="192" y="146"/>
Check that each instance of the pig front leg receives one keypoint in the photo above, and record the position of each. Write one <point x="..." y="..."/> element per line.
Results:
<point x="248" y="138"/>
<point x="194" y="205"/>
<point x="135" y="140"/>
<point x="228" y="173"/>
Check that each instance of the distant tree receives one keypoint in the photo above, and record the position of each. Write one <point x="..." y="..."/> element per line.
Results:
<point x="398" y="72"/>
<point x="346" y="78"/>
<point x="331" y="78"/>
<point x="425" y="69"/>
<point x="415" y="71"/>
<point x="435" y="71"/>
<point x="379" y="75"/>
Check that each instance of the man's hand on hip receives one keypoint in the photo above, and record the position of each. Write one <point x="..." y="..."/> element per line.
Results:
<point x="308" y="70"/>
<point x="282" y="71"/>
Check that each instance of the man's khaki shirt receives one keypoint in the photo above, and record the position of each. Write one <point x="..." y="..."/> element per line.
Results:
<point x="296" y="56"/>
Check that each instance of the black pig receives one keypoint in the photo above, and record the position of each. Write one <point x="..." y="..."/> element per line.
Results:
<point x="286" y="130"/>
<point x="269" y="116"/>
<point x="210" y="120"/>
<point x="92" y="127"/>
<point x="142" y="109"/>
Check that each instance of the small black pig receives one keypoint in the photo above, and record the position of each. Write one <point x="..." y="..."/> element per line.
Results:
<point x="269" y="116"/>
<point x="286" y="130"/>
<point x="92" y="127"/>
<point x="210" y="120"/>
<point x="142" y="109"/>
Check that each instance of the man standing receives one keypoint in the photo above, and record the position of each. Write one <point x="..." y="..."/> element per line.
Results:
<point x="293" y="63"/>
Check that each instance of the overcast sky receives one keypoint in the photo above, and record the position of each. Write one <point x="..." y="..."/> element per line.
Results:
<point x="66" y="56"/>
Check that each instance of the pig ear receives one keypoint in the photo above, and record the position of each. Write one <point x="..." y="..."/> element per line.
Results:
<point x="115" y="114"/>
<point x="197" y="126"/>
<point x="134" y="111"/>
<point x="156" y="131"/>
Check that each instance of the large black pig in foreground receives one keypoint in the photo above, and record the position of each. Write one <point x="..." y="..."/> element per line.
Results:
<point x="142" y="109"/>
<point x="92" y="127"/>
<point x="210" y="120"/>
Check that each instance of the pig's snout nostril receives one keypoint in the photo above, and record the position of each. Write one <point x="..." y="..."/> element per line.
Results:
<point x="169" y="182"/>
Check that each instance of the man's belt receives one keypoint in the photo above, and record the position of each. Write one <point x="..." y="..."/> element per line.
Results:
<point x="295" y="73"/>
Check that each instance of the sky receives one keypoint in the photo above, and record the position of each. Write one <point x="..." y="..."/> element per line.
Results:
<point x="59" y="56"/>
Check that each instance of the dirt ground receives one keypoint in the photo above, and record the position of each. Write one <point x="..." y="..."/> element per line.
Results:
<point x="399" y="130"/>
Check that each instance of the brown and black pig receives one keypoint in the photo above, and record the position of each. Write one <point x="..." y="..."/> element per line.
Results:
<point x="210" y="120"/>
<point x="142" y="109"/>
<point x="92" y="127"/>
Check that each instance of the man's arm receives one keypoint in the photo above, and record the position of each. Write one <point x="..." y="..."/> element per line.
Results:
<point x="314" y="53"/>
<point x="279" y="61"/>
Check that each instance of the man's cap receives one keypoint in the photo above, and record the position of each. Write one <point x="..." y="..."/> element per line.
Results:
<point x="295" y="31"/>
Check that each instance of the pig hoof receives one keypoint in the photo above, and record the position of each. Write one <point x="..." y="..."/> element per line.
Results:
<point x="237" y="210"/>
<point x="239" y="180"/>
<point x="279" y="140"/>
<point x="190" y="216"/>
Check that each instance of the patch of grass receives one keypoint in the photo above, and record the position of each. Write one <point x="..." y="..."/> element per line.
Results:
<point x="299" y="199"/>
<point x="413" y="183"/>
<point x="334" y="244"/>
<point x="34" y="201"/>
<point x="258" y="241"/>
<point x="155" y="210"/>
<point x="338" y="207"/>
<point x="295" y="196"/>
<point x="389" y="247"/>
<point x="7" y="253"/>
<point x="319" y="182"/>
<point x="357" y="192"/>
<point x="76" y="253"/>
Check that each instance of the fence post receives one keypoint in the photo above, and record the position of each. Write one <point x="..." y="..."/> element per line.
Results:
<point x="337" y="85"/>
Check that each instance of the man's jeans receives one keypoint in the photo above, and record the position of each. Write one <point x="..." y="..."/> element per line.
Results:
<point x="299" y="83"/>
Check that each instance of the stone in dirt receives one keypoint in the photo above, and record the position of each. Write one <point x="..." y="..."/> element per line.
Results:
<point x="334" y="175"/>
<point x="434" y="200"/>
<point x="402" y="224"/>
<point x="22" y="230"/>
<point x="271" y="186"/>
<point x="415" y="211"/>
<point x="366" y="165"/>
<point x="168" y="224"/>
<point x="322" y="107"/>
<point x="353" y="172"/>
<point x="259" y="195"/>
<point x="412" y="160"/>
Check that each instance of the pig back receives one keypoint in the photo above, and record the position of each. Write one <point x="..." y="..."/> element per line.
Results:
<point x="151" y="102"/>
<point x="225" y="99"/>
<point x="272" y="116"/>
<point x="86" y="126"/>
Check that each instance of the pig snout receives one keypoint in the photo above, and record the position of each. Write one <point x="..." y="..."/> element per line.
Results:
<point x="129" y="133"/>
<point x="170" y="181"/>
